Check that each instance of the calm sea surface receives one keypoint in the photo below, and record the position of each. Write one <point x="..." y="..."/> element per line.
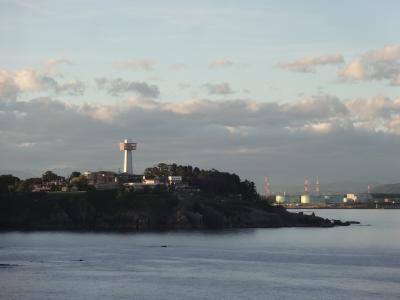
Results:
<point x="356" y="262"/>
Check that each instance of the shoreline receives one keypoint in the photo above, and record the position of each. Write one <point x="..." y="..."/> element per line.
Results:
<point x="370" y="207"/>
<point x="154" y="211"/>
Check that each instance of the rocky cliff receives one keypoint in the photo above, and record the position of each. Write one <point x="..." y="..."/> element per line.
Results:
<point x="112" y="210"/>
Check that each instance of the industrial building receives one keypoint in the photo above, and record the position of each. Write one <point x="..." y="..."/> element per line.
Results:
<point x="308" y="199"/>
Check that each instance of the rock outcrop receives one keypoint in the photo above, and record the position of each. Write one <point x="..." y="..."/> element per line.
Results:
<point x="112" y="210"/>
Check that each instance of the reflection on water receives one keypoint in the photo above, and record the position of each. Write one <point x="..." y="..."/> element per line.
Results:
<point x="357" y="262"/>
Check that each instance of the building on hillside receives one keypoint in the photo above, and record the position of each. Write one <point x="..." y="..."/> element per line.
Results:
<point x="102" y="180"/>
<point x="126" y="178"/>
<point x="137" y="186"/>
<point x="55" y="185"/>
<point x="172" y="180"/>
<point x="41" y="188"/>
<point x="154" y="181"/>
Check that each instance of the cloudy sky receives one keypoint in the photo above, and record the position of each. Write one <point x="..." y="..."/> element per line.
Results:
<point x="285" y="89"/>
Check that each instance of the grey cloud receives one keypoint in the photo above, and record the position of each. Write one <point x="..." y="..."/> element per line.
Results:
<point x="319" y="135"/>
<point x="322" y="106"/>
<point x="222" y="88"/>
<point x="72" y="88"/>
<point x="8" y="88"/>
<point x="308" y="64"/>
<point x="119" y="86"/>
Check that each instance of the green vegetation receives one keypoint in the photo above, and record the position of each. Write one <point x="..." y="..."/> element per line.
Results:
<point x="80" y="182"/>
<point x="8" y="183"/>
<point x="49" y="176"/>
<point x="74" y="174"/>
<point x="209" y="181"/>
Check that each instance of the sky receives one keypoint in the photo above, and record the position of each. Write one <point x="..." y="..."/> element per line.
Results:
<point x="284" y="89"/>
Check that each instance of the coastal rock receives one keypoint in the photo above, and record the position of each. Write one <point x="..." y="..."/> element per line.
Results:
<point x="195" y="219"/>
<point x="181" y="221"/>
<point x="146" y="211"/>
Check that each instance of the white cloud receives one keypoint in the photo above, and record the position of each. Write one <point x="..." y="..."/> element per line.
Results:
<point x="379" y="64"/>
<point x="238" y="130"/>
<point x="353" y="71"/>
<point x="144" y="64"/>
<point x="387" y="53"/>
<point x="308" y="64"/>
<point x="25" y="145"/>
<point x="15" y="83"/>
<point x="220" y="63"/>
<point x="375" y="113"/>
<point x="52" y="62"/>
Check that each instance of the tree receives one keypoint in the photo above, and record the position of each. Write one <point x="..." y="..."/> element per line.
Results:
<point x="74" y="174"/>
<point x="248" y="190"/>
<point x="210" y="181"/>
<point x="27" y="185"/>
<point x="49" y="176"/>
<point x="80" y="182"/>
<point x="8" y="183"/>
<point x="196" y="172"/>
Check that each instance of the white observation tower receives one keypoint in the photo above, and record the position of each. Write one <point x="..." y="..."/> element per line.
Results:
<point x="127" y="146"/>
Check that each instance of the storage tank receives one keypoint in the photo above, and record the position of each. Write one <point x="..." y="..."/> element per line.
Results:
<point x="305" y="199"/>
<point x="279" y="199"/>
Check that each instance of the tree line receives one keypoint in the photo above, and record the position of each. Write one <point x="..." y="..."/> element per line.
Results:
<point x="11" y="184"/>
<point x="209" y="181"/>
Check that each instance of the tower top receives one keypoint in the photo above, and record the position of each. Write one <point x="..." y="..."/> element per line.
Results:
<point x="127" y="144"/>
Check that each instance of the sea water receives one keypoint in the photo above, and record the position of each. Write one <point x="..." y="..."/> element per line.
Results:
<point x="356" y="262"/>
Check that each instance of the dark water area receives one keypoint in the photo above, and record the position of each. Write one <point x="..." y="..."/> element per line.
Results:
<point x="356" y="262"/>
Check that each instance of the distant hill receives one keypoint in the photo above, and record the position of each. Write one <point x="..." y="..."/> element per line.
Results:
<point x="393" y="188"/>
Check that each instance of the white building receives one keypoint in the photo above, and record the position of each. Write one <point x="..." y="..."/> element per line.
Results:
<point x="174" y="179"/>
